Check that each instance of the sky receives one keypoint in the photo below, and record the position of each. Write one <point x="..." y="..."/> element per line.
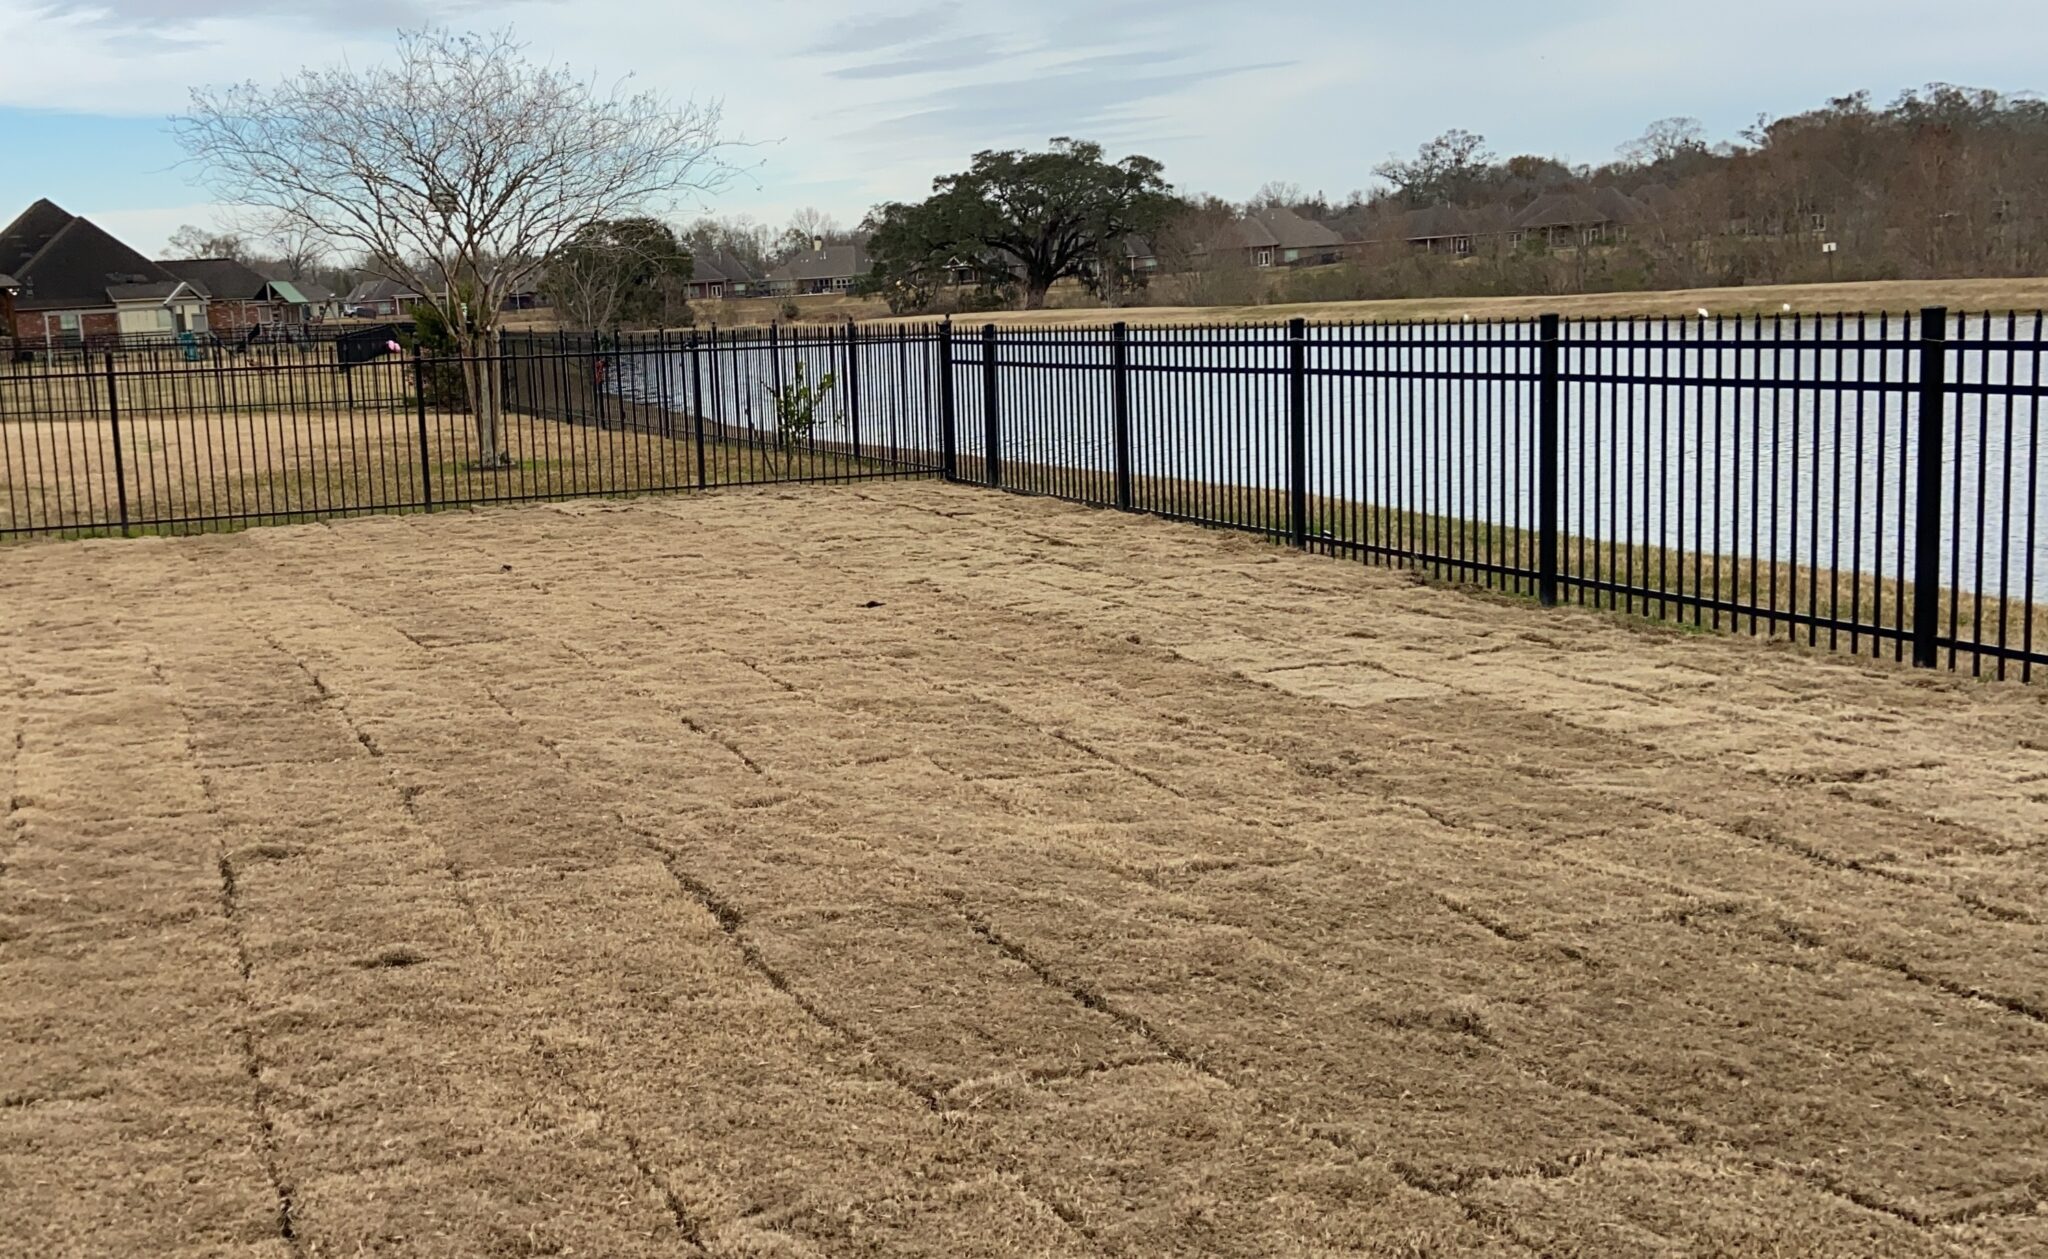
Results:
<point x="841" y="106"/>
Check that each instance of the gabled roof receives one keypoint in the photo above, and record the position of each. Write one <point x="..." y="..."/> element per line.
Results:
<point x="833" y="262"/>
<point x="61" y="260"/>
<point x="223" y="278"/>
<point x="718" y="267"/>
<point x="29" y="232"/>
<point x="1581" y="209"/>
<point x="1276" y="227"/>
<point x="155" y="291"/>
<point x="380" y="290"/>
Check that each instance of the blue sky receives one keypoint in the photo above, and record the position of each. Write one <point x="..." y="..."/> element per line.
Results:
<point x="846" y="105"/>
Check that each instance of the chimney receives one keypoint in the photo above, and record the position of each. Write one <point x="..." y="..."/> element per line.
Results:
<point x="817" y="244"/>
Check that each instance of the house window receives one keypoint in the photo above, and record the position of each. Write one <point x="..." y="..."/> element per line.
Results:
<point x="68" y="321"/>
<point x="1264" y="258"/>
<point x="1514" y="240"/>
<point x="1820" y="222"/>
<point x="1461" y="245"/>
<point x="1292" y="255"/>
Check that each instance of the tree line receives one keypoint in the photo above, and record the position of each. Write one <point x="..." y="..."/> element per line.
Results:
<point x="1945" y="181"/>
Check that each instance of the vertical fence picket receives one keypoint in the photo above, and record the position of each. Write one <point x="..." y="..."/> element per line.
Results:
<point x="1548" y="435"/>
<point x="120" y="464"/>
<point x="991" y="413"/>
<point x="1927" y="531"/>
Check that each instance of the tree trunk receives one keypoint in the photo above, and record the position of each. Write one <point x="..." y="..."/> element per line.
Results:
<point x="481" y="376"/>
<point x="1034" y="294"/>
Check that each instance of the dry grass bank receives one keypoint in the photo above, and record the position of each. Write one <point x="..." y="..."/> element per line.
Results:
<point x="1805" y="299"/>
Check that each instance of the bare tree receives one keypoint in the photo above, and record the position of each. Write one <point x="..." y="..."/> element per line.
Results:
<point x="197" y="242"/>
<point x="460" y="169"/>
<point x="1665" y="140"/>
<point x="1277" y="192"/>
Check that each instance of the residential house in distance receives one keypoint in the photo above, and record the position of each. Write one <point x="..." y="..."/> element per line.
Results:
<point x="380" y="299"/>
<point x="74" y="283"/>
<point x="240" y="297"/>
<point x="823" y="269"/>
<point x="244" y="298"/>
<point x="1597" y="216"/>
<point x="1278" y="237"/>
<point x="719" y="275"/>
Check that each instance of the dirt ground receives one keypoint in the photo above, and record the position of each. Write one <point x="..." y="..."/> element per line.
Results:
<point x="911" y="870"/>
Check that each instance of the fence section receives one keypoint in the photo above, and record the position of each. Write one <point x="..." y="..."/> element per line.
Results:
<point x="1870" y="483"/>
<point x="121" y="444"/>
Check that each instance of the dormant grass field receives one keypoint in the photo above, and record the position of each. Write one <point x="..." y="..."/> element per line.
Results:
<point x="897" y="869"/>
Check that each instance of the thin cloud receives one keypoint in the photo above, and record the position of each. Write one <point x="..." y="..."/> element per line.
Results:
<point x="886" y="31"/>
<point x="940" y="56"/>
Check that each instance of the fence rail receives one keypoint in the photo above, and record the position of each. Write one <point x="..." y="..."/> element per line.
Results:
<point x="1868" y="483"/>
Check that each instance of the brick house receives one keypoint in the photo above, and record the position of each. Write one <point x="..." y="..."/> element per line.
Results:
<point x="74" y="284"/>
<point x="717" y="275"/>
<point x="240" y="298"/>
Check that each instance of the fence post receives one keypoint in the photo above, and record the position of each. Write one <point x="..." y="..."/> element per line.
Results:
<point x="991" y="416"/>
<point x="697" y="399"/>
<point x="1120" y="392"/>
<point x="1297" y="431"/>
<point x="419" y="389"/>
<point x="853" y="382"/>
<point x="1548" y="440"/>
<point x="949" y="441"/>
<point x="1927" y="491"/>
<point x="120" y="464"/>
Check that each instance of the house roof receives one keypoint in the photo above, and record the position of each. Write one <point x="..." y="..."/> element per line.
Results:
<point x="1276" y="227"/>
<point x="380" y="290"/>
<point x="833" y="262"/>
<point x="7" y="281"/>
<point x="716" y="266"/>
<point x="222" y="278"/>
<point x="29" y="232"/>
<point x="61" y="260"/>
<point x="301" y="292"/>
<point x="1580" y="209"/>
<point x="153" y="291"/>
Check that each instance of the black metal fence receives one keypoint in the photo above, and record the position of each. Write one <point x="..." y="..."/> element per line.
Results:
<point x="126" y="444"/>
<point x="273" y="342"/>
<point x="1868" y="483"/>
<point x="1871" y="483"/>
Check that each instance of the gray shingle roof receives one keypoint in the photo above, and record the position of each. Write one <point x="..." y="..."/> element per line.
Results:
<point x="154" y="291"/>
<point x="1278" y="228"/>
<point x="834" y="262"/>
<point x="380" y="290"/>
<point x="716" y="268"/>
<point x="223" y="278"/>
<point x="7" y="281"/>
<point x="61" y="260"/>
